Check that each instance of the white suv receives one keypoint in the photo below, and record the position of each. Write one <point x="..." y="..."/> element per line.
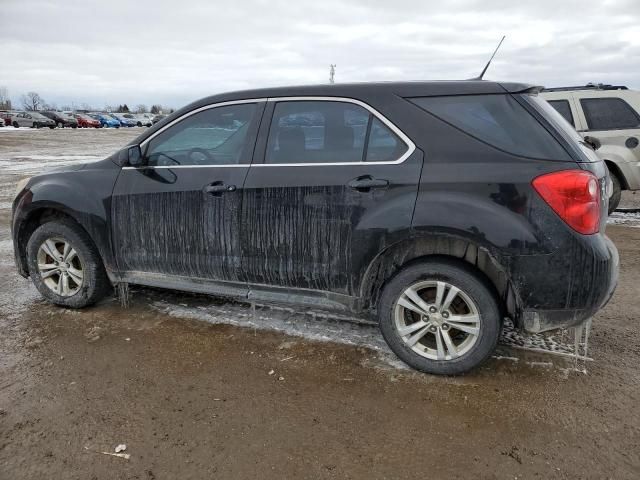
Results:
<point x="611" y="114"/>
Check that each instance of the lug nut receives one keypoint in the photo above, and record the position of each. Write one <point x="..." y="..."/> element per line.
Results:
<point x="445" y="326"/>
<point x="445" y="314"/>
<point x="433" y="329"/>
<point x="433" y="309"/>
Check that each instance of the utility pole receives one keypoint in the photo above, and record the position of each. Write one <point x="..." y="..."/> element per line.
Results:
<point x="332" y="73"/>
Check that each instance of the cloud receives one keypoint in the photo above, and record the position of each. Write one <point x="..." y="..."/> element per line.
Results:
<point x="173" y="52"/>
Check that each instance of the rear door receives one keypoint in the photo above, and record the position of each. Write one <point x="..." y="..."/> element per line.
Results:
<point x="180" y="213"/>
<point x="332" y="184"/>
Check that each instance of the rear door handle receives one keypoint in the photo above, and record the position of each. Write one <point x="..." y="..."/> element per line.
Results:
<point x="366" y="183"/>
<point x="218" y="188"/>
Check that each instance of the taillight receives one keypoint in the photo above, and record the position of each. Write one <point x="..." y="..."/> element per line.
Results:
<point x="574" y="196"/>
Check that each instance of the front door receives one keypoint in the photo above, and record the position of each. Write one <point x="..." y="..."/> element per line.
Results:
<point x="332" y="184"/>
<point x="179" y="214"/>
<point x="614" y="122"/>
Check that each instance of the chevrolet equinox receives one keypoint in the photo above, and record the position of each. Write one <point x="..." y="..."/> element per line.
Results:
<point x="439" y="208"/>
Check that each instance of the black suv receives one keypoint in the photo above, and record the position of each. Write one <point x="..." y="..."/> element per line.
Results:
<point x="438" y="207"/>
<point x="62" y="119"/>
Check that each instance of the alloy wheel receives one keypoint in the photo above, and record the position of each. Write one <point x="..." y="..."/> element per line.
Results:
<point x="437" y="320"/>
<point x="60" y="267"/>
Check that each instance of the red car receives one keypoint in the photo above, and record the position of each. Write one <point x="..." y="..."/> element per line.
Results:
<point x="6" y="116"/>
<point x="85" y="121"/>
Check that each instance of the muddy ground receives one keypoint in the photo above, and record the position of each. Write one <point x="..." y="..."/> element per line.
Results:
<point x="200" y="388"/>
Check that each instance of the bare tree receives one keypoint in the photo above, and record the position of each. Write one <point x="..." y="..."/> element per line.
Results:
<point x="49" y="106"/>
<point x="32" y="101"/>
<point x="5" y="101"/>
<point x="141" y="108"/>
<point x="155" y="109"/>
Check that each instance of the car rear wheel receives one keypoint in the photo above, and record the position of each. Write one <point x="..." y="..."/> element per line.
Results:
<point x="65" y="266"/>
<point x="60" y="125"/>
<point x="16" y="125"/>
<point x="614" y="201"/>
<point x="439" y="317"/>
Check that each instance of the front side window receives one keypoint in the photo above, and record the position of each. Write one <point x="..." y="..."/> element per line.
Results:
<point x="498" y="120"/>
<point x="609" y="114"/>
<point x="564" y="109"/>
<point x="318" y="131"/>
<point x="216" y="136"/>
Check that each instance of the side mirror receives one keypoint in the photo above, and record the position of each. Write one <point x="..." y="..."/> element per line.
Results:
<point x="593" y="141"/>
<point x="134" y="156"/>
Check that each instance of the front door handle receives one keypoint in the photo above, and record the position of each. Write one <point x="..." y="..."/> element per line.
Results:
<point x="218" y="188"/>
<point x="367" y="182"/>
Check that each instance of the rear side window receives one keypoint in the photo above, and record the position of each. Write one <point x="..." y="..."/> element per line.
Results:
<point x="564" y="109"/>
<point x="498" y="120"/>
<point x="317" y="131"/>
<point x="609" y="114"/>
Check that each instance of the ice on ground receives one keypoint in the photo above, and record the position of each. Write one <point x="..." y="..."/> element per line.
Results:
<point x="628" y="219"/>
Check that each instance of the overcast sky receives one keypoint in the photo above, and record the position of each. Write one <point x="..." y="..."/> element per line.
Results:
<point x="171" y="52"/>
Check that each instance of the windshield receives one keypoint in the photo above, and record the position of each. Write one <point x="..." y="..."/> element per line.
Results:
<point x="561" y="125"/>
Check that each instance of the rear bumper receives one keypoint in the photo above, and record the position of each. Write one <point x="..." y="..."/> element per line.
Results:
<point x="583" y="283"/>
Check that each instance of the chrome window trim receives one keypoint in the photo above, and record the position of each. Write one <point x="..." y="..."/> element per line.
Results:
<point x="407" y="141"/>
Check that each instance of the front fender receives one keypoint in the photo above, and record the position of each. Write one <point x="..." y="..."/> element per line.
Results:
<point x="627" y="163"/>
<point x="84" y="195"/>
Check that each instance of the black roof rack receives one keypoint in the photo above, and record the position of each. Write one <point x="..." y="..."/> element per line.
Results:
<point x="588" y="86"/>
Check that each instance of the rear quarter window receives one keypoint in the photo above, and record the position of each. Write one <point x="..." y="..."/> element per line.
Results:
<point x="498" y="120"/>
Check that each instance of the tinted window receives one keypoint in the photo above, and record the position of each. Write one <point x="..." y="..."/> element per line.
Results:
<point x="329" y="132"/>
<point x="609" y="114"/>
<point x="564" y="109"/>
<point x="217" y="136"/>
<point x="384" y="145"/>
<point x="498" y="120"/>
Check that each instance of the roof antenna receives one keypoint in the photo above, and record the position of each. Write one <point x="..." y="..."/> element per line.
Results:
<point x="489" y="62"/>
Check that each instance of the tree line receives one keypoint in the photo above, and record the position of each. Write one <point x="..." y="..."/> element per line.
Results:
<point x="32" y="101"/>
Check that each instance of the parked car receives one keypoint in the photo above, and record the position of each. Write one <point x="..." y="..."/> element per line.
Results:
<point x="105" y="120"/>
<point x="85" y="121"/>
<point x="5" y="115"/>
<point x="142" y="119"/>
<point x="31" y="119"/>
<point x="610" y="114"/>
<point x="61" y="119"/>
<point x="460" y="203"/>
<point x="157" y="118"/>
<point x="124" y="121"/>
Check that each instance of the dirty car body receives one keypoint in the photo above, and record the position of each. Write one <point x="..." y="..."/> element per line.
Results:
<point x="325" y="196"/>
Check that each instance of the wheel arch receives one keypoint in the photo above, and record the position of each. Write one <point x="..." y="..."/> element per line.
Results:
<point x="462" y="251"/>
<point x="34" y="219"/>
<point x="615" y="170"/>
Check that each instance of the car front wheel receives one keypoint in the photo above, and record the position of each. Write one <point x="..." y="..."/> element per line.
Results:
<point x="439" y="317"/>
<point x="65" y="266"/>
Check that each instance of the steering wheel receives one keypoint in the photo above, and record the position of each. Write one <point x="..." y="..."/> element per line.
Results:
<point x="196" y="156"/>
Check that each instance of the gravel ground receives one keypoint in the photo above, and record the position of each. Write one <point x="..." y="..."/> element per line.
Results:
<point x="196" y="387"/>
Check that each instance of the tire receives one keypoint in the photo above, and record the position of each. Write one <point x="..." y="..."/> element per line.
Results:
<point x="60" y="125"/>
<point x="139" y="124"/>
<point x="614" y="201"/>
<point x="86" y="264"/>
<point x="52" y="127"/>
<point x="475" y="300"/>
<point x="35" y="125"/>
<point x="16" y="125"/>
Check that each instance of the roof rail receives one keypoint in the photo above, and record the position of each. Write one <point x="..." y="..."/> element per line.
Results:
<point x="588" y="86"/>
